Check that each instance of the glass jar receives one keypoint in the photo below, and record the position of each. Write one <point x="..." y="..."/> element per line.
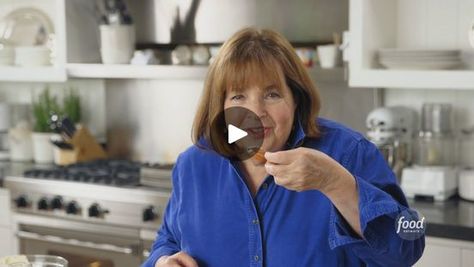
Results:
<point x="466" y="157"/>
<point x="434" y="149"/>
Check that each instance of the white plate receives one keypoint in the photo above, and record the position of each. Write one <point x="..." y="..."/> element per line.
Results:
<point x="421" y="65"/>
<point x="395" y="52"/>
<point x="419" y="58"/>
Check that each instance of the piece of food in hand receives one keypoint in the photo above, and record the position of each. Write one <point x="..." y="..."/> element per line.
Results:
<point x="260" y="156"/>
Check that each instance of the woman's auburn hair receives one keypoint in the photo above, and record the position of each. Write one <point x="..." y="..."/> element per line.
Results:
<point x="255" y="56"/>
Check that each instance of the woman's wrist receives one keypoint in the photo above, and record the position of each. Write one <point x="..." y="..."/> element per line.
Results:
<point x="342" y="186"/>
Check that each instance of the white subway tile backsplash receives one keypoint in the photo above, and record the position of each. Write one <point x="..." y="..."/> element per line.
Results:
<point x="91" y="91"/>
<point x="158" y="114"/>
<point x="461" y="100"/>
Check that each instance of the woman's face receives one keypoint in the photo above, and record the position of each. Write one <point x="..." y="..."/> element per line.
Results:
<point x="274" y="106"/>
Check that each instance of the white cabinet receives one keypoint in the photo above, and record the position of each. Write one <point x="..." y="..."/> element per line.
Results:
<point x="414" y="24"/>
<point x="55" y="11"/>
<point x="76" y="48"/>
<point x="6" y="234"/>
<point x="467" y="257"/>
<point x="447" y="252"/>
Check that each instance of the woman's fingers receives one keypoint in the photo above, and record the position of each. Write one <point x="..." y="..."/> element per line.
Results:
<point x="180" y="259"/>
<point x="186" y="260"/>
<point x="276" y="170"/>
<point x="281" y="157"/>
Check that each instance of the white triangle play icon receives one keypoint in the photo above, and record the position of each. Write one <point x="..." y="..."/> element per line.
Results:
<point x="235" y="134"/>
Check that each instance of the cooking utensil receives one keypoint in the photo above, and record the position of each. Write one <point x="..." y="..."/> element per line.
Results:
<point x="54" y="123"/>
<point x="62" y="126"/>
<point x="68" y="126"/>
<point x="62" y="144"/>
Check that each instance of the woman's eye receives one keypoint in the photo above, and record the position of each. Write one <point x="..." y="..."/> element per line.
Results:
<point x="273" y="95"/>
<point x="237" y="97"/>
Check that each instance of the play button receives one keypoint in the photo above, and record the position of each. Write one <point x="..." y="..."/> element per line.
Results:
<point x="237" y="133"/>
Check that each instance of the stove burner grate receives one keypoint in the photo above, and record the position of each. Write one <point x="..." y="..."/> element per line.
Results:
<point x="108" y="172"/>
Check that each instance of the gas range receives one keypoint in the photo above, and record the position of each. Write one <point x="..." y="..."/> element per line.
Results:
<point x="108" y="172"/>
<point x="103" y="192"/>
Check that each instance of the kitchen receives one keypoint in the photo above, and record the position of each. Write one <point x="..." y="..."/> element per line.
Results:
<point x="143" y="111"/>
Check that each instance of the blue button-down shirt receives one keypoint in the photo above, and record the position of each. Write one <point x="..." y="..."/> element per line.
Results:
<point x="213" y="217"/>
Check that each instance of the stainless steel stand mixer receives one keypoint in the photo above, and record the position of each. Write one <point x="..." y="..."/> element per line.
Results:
<point x="392" y="130"/>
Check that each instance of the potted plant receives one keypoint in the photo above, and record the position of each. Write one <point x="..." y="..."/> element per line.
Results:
<point x="72" y="106"/>
<point x="43" y="107"/>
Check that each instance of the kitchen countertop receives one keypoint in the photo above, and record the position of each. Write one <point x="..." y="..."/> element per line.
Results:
<point x="453" y="218"/>
<point x="16" y="168"/>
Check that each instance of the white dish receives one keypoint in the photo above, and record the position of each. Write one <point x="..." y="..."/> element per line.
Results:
<point x="395" y="52"/>
<point x="25" y="27"/>
<point x="408" y="59"/>
<point x="7" y="55"/>
<point x="32" y="56"/>
<point x="421" y="65"/>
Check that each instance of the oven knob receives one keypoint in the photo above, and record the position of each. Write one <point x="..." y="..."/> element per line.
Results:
<point x="57" y="203"/>
<point x="96" y="211"/>
<point x="43" y="204"/>
<point x="22" y="201"/>
<point x="72" y="208"/>
<point x="149" y="214"/>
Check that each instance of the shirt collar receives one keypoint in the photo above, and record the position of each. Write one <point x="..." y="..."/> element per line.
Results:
<point x="297" y="136"/>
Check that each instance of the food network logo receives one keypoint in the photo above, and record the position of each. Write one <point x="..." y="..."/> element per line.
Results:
<point x="410" y="224"/>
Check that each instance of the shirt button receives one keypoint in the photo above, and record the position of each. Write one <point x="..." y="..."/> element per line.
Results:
<point x="264" y="185"/>
<point x="256" y="257"/>
<point x="255" y="221"/>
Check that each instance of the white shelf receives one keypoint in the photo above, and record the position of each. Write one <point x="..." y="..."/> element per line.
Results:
<point x="421" y="79"/>
<point x="32" y="74"/>
<point x="407" y="24"/>
<point x="100" y="71"/>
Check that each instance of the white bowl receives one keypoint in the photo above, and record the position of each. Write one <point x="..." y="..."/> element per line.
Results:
<point x="31" y="56"/>
<point x="7" y="55"/>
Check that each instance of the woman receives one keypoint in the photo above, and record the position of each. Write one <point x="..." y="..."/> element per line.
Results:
<point x="324" y="197"/>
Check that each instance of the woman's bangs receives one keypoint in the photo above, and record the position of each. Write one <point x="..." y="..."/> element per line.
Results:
<point x="245" y="74"/>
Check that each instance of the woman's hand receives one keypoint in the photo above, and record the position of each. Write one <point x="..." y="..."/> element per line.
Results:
<point x="180" y="259"/>
<point x="303" y="169"/>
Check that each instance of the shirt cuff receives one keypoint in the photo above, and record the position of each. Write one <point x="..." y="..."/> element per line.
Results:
<point x="373" y="203"/>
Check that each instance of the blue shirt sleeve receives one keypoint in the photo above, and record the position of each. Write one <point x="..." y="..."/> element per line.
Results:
<point x="167" y="239"/>
<point x="380" y="201"/>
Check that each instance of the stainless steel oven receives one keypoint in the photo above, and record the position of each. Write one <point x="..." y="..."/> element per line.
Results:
<point x="83" y="244"/>
<point x="94" y="214"/>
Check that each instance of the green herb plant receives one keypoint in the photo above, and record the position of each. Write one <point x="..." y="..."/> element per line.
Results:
<point x="72" y="106"/>
<point x="43" y="107"/>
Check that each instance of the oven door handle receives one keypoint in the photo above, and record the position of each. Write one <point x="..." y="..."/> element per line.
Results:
<point x="74" y="242"/>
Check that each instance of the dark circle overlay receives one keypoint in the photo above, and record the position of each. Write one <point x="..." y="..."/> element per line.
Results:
<point x="243" y="119"/>
<point x="410" y="224"/>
